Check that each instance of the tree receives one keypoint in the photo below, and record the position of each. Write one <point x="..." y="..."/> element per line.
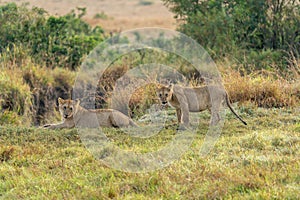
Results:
<point x="225" y="27"/>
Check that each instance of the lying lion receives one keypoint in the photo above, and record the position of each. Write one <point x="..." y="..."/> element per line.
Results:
<point x="72" y="113"/>
<point x="194" y="99"/>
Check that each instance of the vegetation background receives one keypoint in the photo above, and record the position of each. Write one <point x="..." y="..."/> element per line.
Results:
<point x="256" y="45"/>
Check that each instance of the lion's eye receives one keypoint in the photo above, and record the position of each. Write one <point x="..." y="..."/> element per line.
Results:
<point x="160" y="95"/>
<point x="166" y="95"/>
<point x="71" y="108"/>
<point x="65" y="107"/>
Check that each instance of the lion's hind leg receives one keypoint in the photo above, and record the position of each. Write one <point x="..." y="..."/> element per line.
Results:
<point x="215" y="111"/>
<point x="118" y="119"/>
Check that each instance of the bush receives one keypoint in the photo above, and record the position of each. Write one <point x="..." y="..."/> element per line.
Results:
<point x="30" y="40"/>
<point x="53" y="41"/>
<point x="239" y="27"/>
<point x="264" y="59"/>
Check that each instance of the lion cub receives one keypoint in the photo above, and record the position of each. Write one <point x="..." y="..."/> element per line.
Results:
<point x="72" y="113"/>
<point x="194" y="99"/>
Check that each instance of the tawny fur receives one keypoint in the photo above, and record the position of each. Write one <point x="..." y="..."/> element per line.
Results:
<point x="195" y="99"/>
<point x="72" y="113"/>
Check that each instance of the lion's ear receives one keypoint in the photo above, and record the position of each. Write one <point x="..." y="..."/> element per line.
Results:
<point x="158" y="86"/>
<point x="60" y="101"/>
<point x="170" y="86"/>
<point x="77" y="102"/>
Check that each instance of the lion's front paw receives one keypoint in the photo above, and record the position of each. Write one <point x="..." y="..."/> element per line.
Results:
<point x="181" y="127"/>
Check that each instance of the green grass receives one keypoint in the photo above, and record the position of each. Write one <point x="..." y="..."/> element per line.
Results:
<point x="101" y="15"/>
<point x="260" y="161"/>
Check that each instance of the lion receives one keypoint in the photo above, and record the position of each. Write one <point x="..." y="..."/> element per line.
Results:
<point x="72" y="113"/>
<point x="194" y="99"/>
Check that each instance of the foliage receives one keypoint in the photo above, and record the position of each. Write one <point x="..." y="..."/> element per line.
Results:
<point x="101" y="15"/>
<point x="30" y="40"/>
<point x="238" y="27"/>
<point x="55" y="41"/>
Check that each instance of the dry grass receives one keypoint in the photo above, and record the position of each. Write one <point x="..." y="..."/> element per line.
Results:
<point x="28" y="92"/>
<point x="126" y="23"/>
<point x="15" y="98"/>
<point x="262" y="88"/>
<point x="120" y="15"/>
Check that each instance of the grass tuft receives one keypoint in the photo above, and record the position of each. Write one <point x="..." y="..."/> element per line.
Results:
<point x="264" y="90"/>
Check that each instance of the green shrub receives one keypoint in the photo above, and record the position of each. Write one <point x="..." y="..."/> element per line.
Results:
<point x="10" y="117"/>
<point x="37" y="55"/>
<point x="101" y="15"/>
<point x="241" y="27"/>
<point x="265" y="59"/>
<point x="55" y="41"/>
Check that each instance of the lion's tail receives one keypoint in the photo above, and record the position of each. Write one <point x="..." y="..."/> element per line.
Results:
<point x="228" y="104"/>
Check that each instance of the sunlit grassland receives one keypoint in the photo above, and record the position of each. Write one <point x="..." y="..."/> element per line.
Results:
<point x="258" y="161"/>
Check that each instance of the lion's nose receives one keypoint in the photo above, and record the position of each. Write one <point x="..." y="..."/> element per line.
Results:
<point x="65" y="116"/>
<point x="164" y="102"/>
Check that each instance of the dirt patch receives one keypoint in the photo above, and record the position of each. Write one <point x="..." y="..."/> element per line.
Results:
<point x="112" y="15"/>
